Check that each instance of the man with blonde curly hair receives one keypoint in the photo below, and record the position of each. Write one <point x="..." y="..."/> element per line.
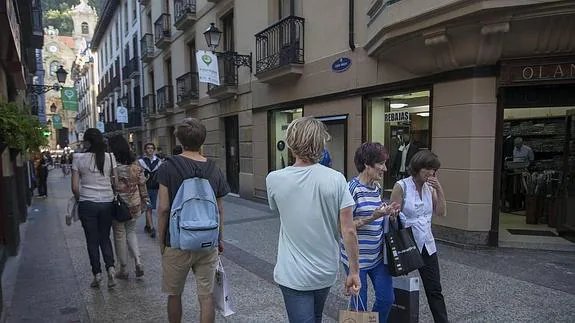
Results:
<point x="315" y="206"/>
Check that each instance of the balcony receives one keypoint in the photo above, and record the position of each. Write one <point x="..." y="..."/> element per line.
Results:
<point x="116" y="84"/>
<point x="280" y="51"/>
<point x="126" y="70"/>
<point x="163" y="32"/>
<point x="187" y="89"/>
<point x="134" y="118"/>
<point x="184" y="13"/>
<point x="37" y="29"/>
<point x="228" y="66"/>
<point x="111" y="127"/>
<point x="134" y="64"/>
<point x="149" y="105"/>
<point x="144" y="2"/>
<point x="147" y="48"/>
<point x="165" y="101"/>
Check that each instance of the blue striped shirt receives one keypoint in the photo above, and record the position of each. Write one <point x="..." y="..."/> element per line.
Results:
<point x="370" y="236"/>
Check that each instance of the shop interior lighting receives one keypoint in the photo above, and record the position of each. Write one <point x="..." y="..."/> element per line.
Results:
<point x="423" y="114"/>
<point x="397" y="105"/>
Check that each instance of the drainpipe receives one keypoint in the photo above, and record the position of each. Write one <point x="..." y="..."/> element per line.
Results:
<point x="351" y="25"/>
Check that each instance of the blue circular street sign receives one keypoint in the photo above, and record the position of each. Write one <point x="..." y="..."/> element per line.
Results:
<point x="342" y="64"/>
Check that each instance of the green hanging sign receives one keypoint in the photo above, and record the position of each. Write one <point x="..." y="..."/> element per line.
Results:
<point x="69" y="97"/>
<point x="57" y="121"/>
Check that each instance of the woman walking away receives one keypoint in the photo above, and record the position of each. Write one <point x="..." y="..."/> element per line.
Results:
<point x="422" y="197"/>
<point x="371" y="218"/>
<point x="131" y="185"/>
<point x="92" y="173"/>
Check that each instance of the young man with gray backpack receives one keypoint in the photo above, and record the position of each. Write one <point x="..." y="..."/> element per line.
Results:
<point x="190" y="220"/>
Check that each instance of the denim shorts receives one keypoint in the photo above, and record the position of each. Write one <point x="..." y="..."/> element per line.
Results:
<point x="153" y="194"/>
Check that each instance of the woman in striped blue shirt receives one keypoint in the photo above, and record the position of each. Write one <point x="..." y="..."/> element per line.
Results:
<point x="371" y="217"/>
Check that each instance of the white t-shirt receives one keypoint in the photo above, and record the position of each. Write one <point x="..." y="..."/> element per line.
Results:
<point x="94" y="186"/>
<point x="309" y="200"/>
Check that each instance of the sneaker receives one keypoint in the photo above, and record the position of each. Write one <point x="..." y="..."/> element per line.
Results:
<point x="111" y="277"/>
<point x="123" y="273"/>
<point x="147" y="229"/>
<point x="96" y="281"/>
<point x="153" y="233"/>
<point x="139" y="270"/>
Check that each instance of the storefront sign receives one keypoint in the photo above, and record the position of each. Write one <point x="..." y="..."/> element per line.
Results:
<point x="69" y="98"/>
<point x="121" y="114"/>
<point x="207" y="67"/>
<point x="396" y="116"/>
<point x="514" y="73"/>
<point x="57" y="121"/>
<point x="342" y="64"/>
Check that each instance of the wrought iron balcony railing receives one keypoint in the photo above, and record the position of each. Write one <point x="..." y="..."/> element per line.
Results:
<point x="162" y="29"/>
<point x="228" y="67"/>
<point x="280" y="44"/>
<point x="147" y="47"/>
<point x="165" y="97"/>
<point x="149" y="102"/>
<point x="187" y="87"/>
<point x="183" y="8"/>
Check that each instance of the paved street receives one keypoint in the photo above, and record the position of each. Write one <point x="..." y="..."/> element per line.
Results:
<point x="49" y="280"/>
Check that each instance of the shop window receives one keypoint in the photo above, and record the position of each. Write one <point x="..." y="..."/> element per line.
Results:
<point x="401" y="123"/>
<point x="279" y="154"/>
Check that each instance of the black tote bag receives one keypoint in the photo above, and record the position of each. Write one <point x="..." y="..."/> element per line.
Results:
<point x="120" y="209"/>
<point x="403" y="256"/>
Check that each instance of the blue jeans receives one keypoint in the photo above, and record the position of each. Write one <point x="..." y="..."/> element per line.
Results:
<point x="304" y="306"/>
<point x="383" y="286"/>
<point x="153" y="194"/>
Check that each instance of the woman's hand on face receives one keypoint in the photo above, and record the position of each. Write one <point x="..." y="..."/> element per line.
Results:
<point x="434" y="182"/>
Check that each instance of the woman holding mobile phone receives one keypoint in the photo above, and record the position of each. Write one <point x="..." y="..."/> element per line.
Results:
<point x="421" y="197"/>
<point x="371" y="217"/>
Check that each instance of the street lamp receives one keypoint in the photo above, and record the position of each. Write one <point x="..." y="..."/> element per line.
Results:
<point x="61" y="75"/>
<point x="124" y="101"/>
<point x="53" y="108"/>
<point x="213" y="36"/>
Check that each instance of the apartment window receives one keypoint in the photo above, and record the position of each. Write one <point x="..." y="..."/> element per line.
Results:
<point x="126" y="17"/>
<point x="192" y="56"/>
<point x="126" y="54"/>
<point x="151" y="80"/>
<point x="117" y="34"/>
<point x="54" y="67"/>
<point x="85" y="28"/>
<point x="228" y="31"/>
<point x="135" y="45"/>
<point x="168" y="68"/>
<point x="149" y="22"/>
<point x="134" y="10"/>
<point x="166" y="6"/>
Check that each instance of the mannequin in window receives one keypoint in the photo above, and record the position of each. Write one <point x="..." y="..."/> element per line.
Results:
<point x="403" y="156"/>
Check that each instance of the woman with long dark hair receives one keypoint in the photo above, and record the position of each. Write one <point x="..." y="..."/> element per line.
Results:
<point x="92" y="175"/>
<point x="131" y="185"/>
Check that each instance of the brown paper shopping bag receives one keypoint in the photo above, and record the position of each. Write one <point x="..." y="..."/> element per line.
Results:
<point x="355" y="316"/>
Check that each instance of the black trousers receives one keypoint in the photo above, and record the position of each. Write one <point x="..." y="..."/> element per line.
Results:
<point x="97" y="222"/>
<point x="43" y="181"/>
<point x="432" y="284"/>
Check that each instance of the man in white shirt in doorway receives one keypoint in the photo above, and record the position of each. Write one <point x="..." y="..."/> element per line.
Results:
<point x="522" y="153"/>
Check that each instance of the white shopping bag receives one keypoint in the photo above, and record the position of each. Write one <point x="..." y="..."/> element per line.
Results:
<point x="72" y="211"/>
<point x="222" y="297"/>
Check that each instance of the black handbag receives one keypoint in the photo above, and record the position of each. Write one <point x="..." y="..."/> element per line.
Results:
<point x="120" y="209"/>
<point x="403" y="256"/>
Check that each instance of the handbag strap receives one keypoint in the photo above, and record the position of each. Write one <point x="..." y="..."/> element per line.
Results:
<point x="112" y="174"/>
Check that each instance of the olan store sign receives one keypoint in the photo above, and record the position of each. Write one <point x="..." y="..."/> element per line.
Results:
<point x="553" y="70"/>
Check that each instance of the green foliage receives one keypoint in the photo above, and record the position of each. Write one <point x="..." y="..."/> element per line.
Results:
<point x="61" y="20"/>
<point x="19" y="129"/>
<point x="57" y="13"/>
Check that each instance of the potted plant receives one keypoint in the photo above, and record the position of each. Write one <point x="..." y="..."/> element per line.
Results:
<point x="19" y="130"/>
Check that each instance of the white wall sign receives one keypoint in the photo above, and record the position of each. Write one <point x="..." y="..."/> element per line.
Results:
<point x="207" y="67"/>
<point x="121" y="114"/>
<point x="396" y="116"/>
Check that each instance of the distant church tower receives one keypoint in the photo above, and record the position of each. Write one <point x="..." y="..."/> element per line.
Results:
<point x="85" y="19"/>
